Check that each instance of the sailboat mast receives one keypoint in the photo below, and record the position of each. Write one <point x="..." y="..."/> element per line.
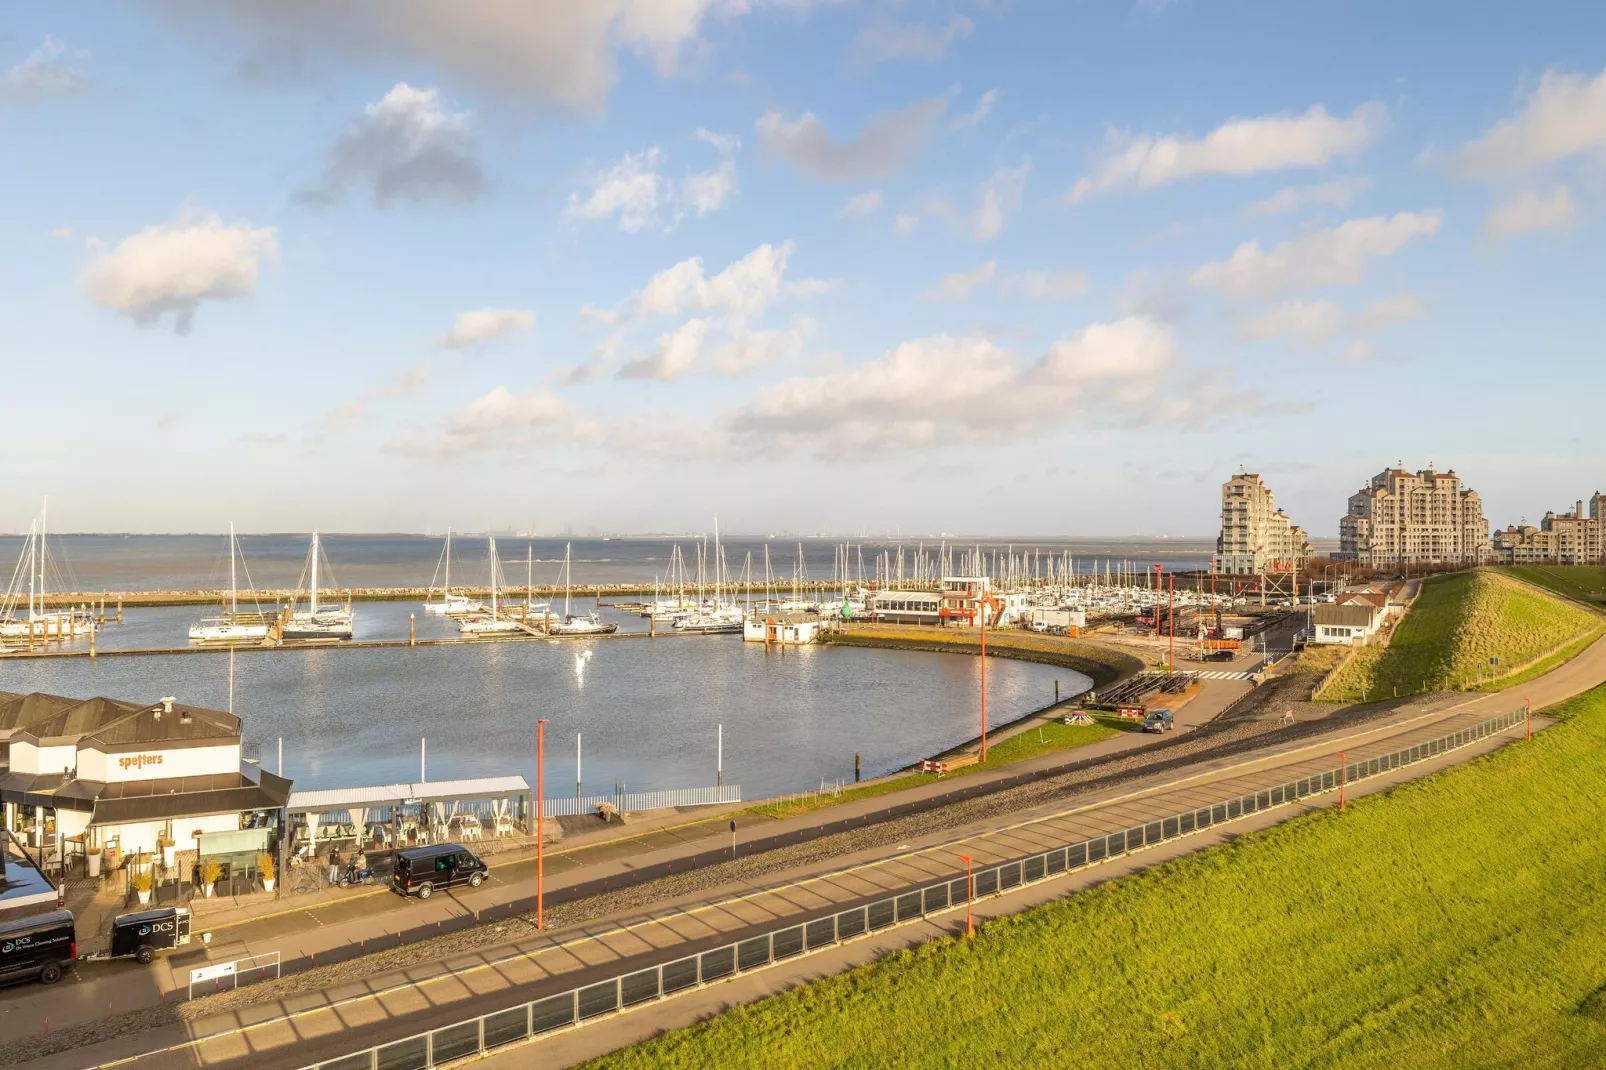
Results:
<point x="568" y="579"/>
<point x="447" y="595"/>
<point x="492" y="540"/>
<point x="315" y="556"/>
<point x="234" y="594"/>
<point x="33" y="562"/>
<point x="44" y="549"/>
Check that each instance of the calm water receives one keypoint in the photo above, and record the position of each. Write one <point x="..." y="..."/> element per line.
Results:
<point x="192" y="562"/>
<point x="647" y="709"/>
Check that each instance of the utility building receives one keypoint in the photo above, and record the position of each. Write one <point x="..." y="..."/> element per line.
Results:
<point x="1256" y="536"/>
<point x="1427" y="517"/>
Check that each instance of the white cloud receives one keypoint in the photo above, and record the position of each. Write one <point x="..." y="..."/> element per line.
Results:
<point x="409" y="382"/>
<point x="1236" y="147"/>
<point x="43" y="75"/>
<point x="689" y="349"/>
<point x="675" y="355"/>
<point x="485" y="324"/>
<point x="499" y="419"/>
<point x="557" y="50"/>
<point x="1046" y="285"/>
<point x="707" y="191"/>
<point x="634" y="189"/>
<point x="884" y="41"/>
<point x="1565" y="116"/>
<point x="1528" y="212"/>
<point x="1337" y="256"/>
<point x="172" y="267"/>
<point x="631" y="189"/>
<point x="1000" y="198"/>
<point x="406" y="146"/>
<point x="880" y="150"/>
<point x="1336" y="194"/>
<point x="945" y="389"/>
<point x="1146" y="294"/>
<point x="959" y="285"/>
<point x="861" y="205"/>
<point x="977" y="115"/>
<point x="905" y="223"/>
<point x="1320" y="320"/>
<point x="720" y="335"/>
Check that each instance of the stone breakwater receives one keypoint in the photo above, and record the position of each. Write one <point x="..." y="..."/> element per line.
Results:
<point x="603" y="591"/>
<point x="1104" y="664"/>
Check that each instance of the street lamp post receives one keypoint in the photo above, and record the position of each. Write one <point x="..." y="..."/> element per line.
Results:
<point x="983" y="605"/>
<point x="540" y="822"/>
<point x="970" y="894"/>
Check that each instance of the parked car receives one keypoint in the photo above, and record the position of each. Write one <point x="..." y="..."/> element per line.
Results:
<point x="1158" y="720"/>
<point x="145" y="932"/>
<point x="38" y="948"/>
<point x="421" y="871"/>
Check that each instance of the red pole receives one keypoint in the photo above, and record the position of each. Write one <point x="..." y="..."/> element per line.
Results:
<point x="540" y="822"/>
<point x="1528" y="715"/>
<point x="970" y="894"/>
<point x="984" y="681"/>
<point x="1171" y="617"/>
<point x="1341" y="781"/>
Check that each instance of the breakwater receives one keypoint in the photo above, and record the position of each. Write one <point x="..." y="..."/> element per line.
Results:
<point x="1102" y="664"/>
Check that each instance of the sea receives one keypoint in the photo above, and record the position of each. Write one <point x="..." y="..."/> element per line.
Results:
<point x="112" y="562"/>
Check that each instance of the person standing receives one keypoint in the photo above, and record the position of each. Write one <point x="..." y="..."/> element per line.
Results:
<point x="334" y="866"/>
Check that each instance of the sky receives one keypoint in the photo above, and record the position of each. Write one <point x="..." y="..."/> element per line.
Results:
<point x="975" y="266"/>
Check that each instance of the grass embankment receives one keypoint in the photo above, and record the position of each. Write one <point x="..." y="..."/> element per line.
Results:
<point x="1039" y="739"/>
<point x="1103" y="664"/>
<point x="1448" y="922"/>
<point x="1582" y="583"/>
<point x="1455" y="626"/>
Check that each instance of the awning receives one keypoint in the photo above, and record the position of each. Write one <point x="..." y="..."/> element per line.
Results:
<point x="331" y="800"/>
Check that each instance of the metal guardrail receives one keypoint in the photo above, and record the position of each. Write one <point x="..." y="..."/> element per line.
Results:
<point x="475" y="1036"/>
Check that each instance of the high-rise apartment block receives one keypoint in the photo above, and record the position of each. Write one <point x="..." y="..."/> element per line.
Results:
<point x="1563" y="539"/>
<point x="1256" y="536"/>
<point x="1425" y="517"/>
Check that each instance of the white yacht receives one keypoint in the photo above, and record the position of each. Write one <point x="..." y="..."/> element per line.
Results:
<point x="318" y="621"/>
<point x="489" y="622"/>
<point x="231" y="626"/>
<point x="569" y="624"/>
<point x="449" y="604"/>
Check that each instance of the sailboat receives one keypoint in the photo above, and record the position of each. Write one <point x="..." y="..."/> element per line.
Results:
<point x="590" y="624"/>
<point x="318" y="621"/>
<point x="449" y="603"/>
<point x="491" y="623"/>
<point x="35" y="559"/>
<point x="718" y="618"/>
<point x="231" y="626"/>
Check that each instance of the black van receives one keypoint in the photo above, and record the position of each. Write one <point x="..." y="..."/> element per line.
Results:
<point x="421" y="870"/>
<point x="142" y="933"/>
<point x="41" y="947"/>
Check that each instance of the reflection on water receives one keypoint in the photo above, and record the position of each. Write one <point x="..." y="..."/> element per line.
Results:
<point x="648" y="709"/>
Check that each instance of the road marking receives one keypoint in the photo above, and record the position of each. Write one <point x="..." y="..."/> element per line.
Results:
<point x="728" y="904"/>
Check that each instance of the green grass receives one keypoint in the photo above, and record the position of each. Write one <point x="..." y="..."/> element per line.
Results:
<point x="1450" y="922"/>
<point x="1456" y="625"/>
<point x="1034" y="741"/>
<point x="1584" y="583"/>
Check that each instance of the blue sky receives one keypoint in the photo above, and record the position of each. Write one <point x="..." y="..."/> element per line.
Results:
<point x="992" y="267"/>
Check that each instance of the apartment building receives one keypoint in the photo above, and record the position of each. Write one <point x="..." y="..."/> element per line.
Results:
<point x="1427" y="517"/>
<point x="1564" y="539"/>
<point x="1256" y="536"/>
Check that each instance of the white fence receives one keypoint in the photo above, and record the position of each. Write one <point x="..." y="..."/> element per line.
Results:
<point x="633" y="802"/>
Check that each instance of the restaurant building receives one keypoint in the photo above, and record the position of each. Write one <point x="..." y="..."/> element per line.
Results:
<point x="132" y="779"/>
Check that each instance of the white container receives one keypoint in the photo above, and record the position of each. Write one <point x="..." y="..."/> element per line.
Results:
<point x="267" y="884"/>
<point x="94" y="863"/>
